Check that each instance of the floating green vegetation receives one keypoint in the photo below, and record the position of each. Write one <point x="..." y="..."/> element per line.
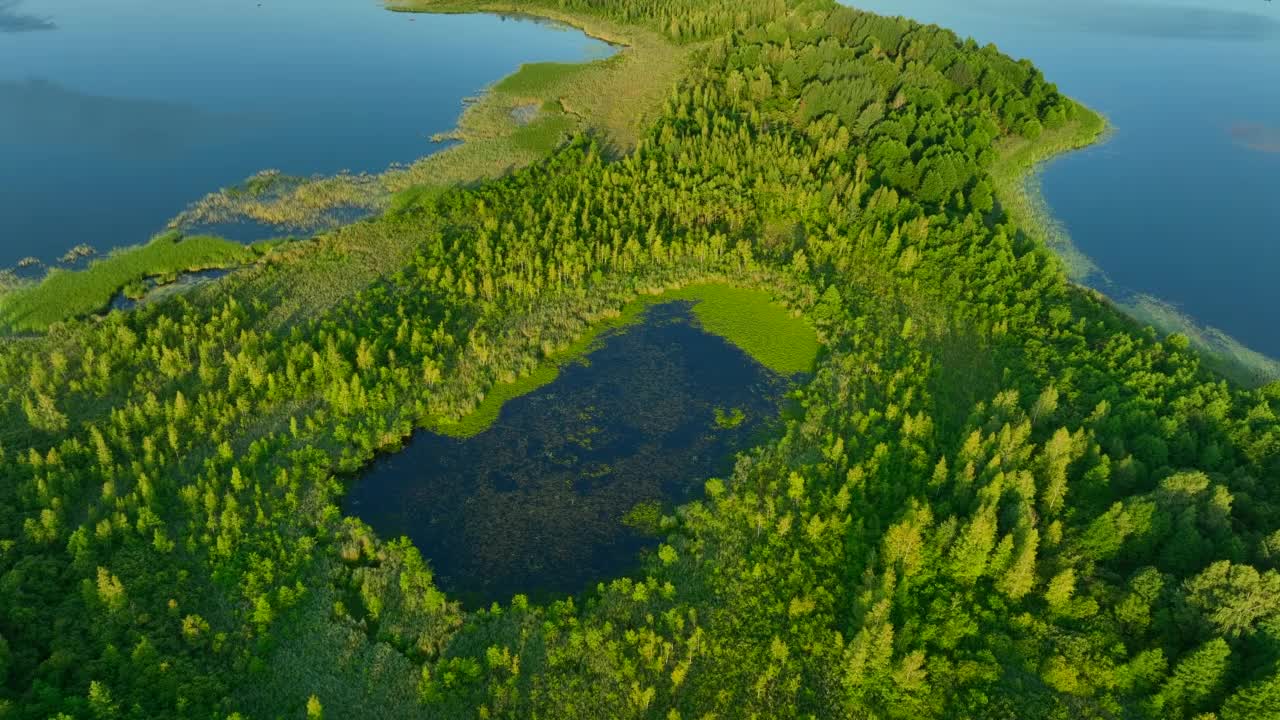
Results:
<point x="486" y="413"/>
<point x="645" y="516"/>
<point x="729" y="420"/>
<point x="749" y="318"/>
<point x="66" y="294"/>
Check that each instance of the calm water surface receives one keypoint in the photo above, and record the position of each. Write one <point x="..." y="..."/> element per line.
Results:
<point x="535" y="503"/>
<point x="115" y="115"/>
<point x="1184" y="202"/>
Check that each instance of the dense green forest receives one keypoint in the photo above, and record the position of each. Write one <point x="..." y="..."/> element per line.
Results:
<point x="999" y="498"/>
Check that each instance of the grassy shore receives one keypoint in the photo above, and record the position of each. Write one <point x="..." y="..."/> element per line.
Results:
<point x="519" y="121"/>
<point x="65" y="294"/>
<point x="514" y="123"/>
<point x="1017" y="179"/>
<point x="749" y="318"/>
<point x="1016" y="175"/>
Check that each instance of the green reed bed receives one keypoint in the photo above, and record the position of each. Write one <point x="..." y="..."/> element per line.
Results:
<point x="66" y="294"/>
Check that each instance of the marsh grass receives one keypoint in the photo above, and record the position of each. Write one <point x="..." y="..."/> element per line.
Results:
<point x="776" y="337"/>
<point x="1221" y="352"/>
<point x="65" y="294"/>
<point x="751" y="319"/>
<point x="537" y="79"/>
<point x="1016" y="175"/>
<point x="614" y="99"/>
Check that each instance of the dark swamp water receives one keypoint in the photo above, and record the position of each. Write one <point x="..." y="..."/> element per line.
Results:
<point x="114" y="116"/>
<point x="535" y="504"/>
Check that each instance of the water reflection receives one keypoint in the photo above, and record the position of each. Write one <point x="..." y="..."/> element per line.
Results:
<point x="42" y="112"/>
<point x="1257" y="137"/>
<point x="14" y="21"/>
<point x="1137" y="19"/>
<point x="1180" y="203"/>
<point x="139" y="107"/>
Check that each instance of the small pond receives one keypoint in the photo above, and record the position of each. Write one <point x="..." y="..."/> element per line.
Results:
<point x="536" y="503"/>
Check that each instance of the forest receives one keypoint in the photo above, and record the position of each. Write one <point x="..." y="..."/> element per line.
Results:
<point x="998" y="497"/>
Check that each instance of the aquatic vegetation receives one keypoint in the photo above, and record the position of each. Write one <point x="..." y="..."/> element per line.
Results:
<point x="77" y="253"/>
<point x="751" y="319"/>
<point x="729" y="420"/>
<point x="63" y="294"/>
<point x="1016" y="184"/>
<point x="615" y="97"/>
<point x="645" y="516"/>
<point x="1222" y="352"/>
<point x="567" y="487"/>
<point x="747" y="317"/>
<point x="539" y="80"/>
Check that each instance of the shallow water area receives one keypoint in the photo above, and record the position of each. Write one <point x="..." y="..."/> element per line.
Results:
<point x="1181" y="202"/>
<point x="115" y="116"/>
<point x="536" y="503"/>
<point x="156" y="288"/>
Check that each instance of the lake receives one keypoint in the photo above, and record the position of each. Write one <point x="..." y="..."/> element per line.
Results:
<point x="115" y="115"/>
<point x="1183" y="202"/>
<point x="536" y="503"/>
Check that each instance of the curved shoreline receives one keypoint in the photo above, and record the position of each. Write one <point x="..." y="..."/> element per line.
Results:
<point x="723" y="307"/>
<point x="574" y="22"/>
<point x="1017" y="178"/>
<point x="488" y="142"/>
<point x="1020" y="193"/>
<point x="371" y="192"/>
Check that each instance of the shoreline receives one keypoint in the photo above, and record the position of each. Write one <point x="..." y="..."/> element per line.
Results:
<point x="484" y="131"/>
<point x="487" y="142"/>
<point x="369" y="193"/>
<point x="1017" y="175"/>
<point x="723" y="306"/>
<point x="572" y="22"/>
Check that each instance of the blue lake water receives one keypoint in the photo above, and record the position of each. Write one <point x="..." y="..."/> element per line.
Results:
<point x="1183" y="203"/>
<point x="115" y="115"/>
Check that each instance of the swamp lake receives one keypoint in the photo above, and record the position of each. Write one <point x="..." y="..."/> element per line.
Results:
<point x="557" y="494"/>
